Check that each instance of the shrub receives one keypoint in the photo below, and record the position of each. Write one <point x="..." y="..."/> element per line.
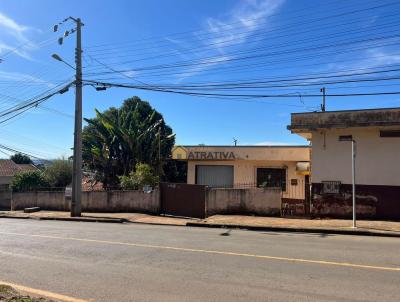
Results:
<point x="59" y="173"/>
<point x="142" y="176"/>
<point x="29" y="181"/>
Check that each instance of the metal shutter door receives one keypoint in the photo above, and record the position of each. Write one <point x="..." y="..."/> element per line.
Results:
<point x="214" y="176"/>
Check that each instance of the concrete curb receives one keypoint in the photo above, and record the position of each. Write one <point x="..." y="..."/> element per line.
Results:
<point x="78" y="219"/>
<point x="356" y="232"/>
<point x="87" y="219"/>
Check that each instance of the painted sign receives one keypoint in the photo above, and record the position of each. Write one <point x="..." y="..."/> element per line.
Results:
<point x="331" y="187"/>
<point x="68" y="192"/>
<point x="211" y="155"/>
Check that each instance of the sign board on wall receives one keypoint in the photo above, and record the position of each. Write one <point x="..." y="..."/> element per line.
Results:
<point x="211" y="155"/>
<point x="68" y="192"/>
<point x="182" y="153"/>
<point x="331" y="187"/>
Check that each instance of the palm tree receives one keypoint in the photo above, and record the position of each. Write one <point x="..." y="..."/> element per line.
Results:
<point x="117" y="139"/>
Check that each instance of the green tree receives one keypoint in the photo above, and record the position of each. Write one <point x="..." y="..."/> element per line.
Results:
<point x="142" y="176"/>
<point x="29" y="181"/>
<point x="175" y="171"/>
<point x="20" y="158"/>
<point x="59" y="173"/>
<point x="119" y="138"/>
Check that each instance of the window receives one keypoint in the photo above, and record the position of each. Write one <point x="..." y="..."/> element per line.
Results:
<point x="271" y="178"/>
<point x="345" y="138"/>
<point x="390" y="133"/>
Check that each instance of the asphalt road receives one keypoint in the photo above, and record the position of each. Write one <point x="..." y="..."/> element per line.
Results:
<point x="132" y="262"/>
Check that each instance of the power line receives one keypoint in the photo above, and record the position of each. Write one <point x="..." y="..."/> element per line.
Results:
<point x="240" y="95"/>
<point x="29" y="104"/>
<point x="228" y="25"/>
<point x="249" y="39"/>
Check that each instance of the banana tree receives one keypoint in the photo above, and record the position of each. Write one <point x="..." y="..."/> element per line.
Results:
<point x="117" y="139"/>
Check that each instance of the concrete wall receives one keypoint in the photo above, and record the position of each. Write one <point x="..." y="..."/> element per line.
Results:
<point x="121" y="201"/>
<point x="377" y="160"/>
<point x="345" y="119"/>
<point x="5" y="199"/>
<point x="243" y="201"/>
<point x="5" y="180"/>
<point x="377" y="173"/>
<point x="245" y="172"/>
<point x="104" y="201"/>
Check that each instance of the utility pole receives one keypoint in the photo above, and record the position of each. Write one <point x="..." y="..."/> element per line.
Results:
<point x="159" y="152"/>
<point x="323" y="90"/>
<point x="349" y="138"/>
<point x="76" y="206"/>
<point x="353" y="164"/>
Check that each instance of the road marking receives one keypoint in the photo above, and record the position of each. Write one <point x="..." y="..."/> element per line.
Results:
<point x="43" y="293"/>
<point x="226" y="253"/>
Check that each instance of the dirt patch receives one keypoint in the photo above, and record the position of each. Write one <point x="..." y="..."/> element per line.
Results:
<point x="8" y="294"/>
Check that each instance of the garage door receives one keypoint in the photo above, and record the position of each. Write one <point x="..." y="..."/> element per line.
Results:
<point x="214" y="176"/>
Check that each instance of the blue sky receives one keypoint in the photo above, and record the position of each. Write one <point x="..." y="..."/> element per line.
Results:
<point x="129" y="35"/>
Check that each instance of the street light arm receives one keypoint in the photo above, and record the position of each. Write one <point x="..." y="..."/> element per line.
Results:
<point x="58" y="58"/>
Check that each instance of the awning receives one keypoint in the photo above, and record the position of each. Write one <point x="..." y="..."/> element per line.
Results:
<point x="303" y="168"/>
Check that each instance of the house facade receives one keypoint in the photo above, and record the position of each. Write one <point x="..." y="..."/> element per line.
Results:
<point x="286" y="167"/>
<point x="376" y="133"/>
<point x="8" y="169"/>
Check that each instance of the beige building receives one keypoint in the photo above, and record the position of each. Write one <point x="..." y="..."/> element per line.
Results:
<point x="248" y="166"/>
<point x="376" y="134"/>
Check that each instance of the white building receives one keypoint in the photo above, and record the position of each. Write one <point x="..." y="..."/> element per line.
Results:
<point x="377" y="136"/>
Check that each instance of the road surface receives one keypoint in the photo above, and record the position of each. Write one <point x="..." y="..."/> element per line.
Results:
<point x="132" y="262"/>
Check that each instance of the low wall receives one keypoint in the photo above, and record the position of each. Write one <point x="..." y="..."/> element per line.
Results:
<point x="5" y="199"/>
<point x="340" y="205"/>
<point x="103" y="201"/>
<point x="121" y="201"/>
<point x="258" y="201"/>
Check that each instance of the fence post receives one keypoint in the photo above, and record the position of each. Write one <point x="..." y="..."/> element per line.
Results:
<point x="11" y="200"/>
<point x="206" y="191"/>
<point x="160" y="202"/>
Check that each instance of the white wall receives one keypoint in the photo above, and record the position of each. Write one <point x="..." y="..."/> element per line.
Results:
<point x="377" y="161"/>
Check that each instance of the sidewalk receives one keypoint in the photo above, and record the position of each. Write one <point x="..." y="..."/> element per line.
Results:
<point x="99" y="217"/>
<point x="331" y="226"/>
<point x="327" y="226"/>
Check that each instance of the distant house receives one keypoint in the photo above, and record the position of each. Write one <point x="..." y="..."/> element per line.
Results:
<point x="8" y="169"/>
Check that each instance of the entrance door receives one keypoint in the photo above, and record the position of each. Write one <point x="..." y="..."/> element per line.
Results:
<point x="214" y="176"/>
<point x="183" y="200"/>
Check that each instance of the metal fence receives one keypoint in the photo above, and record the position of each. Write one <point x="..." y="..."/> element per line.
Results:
<point x="291" y="190"/>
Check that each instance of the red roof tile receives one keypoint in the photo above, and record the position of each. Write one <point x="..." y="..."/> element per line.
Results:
<point x="9" y="168"/>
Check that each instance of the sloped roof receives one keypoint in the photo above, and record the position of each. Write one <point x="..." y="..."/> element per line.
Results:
<point x="26" y="167"/>
<point x="9" y="168"/>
